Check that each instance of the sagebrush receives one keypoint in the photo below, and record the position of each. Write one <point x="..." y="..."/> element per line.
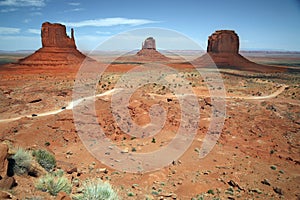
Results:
<point x="53" y="183"/>
<point x="45" y="159"/>
<point x="22" y="161"/>
<point x="96" y="189"/>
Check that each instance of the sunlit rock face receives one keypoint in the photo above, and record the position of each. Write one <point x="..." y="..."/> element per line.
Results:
<point x="57" y="48"/>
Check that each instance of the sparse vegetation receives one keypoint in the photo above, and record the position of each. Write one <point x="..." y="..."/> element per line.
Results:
<point x="21" y="161"/>
<point x="133" y="149"/>
<point x="47" y="144"/>
<point x="153" y="140"/>
<point x="210" y="192"/>
<point x="97" y="190"/>
<point x="130" y="194"/>
<point x="273" y="167"/>
<point x="53" y="183"/>
<point x="45" y="159"/>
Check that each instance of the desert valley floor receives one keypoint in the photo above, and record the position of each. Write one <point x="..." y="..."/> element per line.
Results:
<point x="256" y="157"/>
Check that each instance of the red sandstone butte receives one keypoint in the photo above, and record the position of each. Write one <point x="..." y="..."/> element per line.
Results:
<point x="57" y="48"/>
<point x="223" y="50"/>
<point x="149" y="52"/>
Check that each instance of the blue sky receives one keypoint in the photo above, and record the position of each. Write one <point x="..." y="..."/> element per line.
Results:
<point x="261" y="24"/>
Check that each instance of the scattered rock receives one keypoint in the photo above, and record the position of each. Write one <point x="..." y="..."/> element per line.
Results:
<point x="256" y="190"/>
<point x="102" y="170"/>
<point x="35" y="101"/>
<point x="72" y="170"/>
<point x="6" y="195"/>
<point x="266" y="182"/>
<point x="126" y="150"/>
<point x="7" y="182"/>
<point x="235" y="184"/>
<point x="62" y="196"/>
<point x="278" y="190"/>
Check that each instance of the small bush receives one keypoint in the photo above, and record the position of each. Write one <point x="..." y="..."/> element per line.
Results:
<point x="45" y="159"/>
<point x="153" y="140"/>
<point x="53" y="183"/>
<point x="210" y="192"/>
<point x="21" y="161"/>
<point x="97" y="190"/>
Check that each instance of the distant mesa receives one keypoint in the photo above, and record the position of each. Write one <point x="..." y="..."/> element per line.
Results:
<point x="149" y="52"/>
<point x="149" y="43"/>
<point x="57" y="48"/>
<point x="223" y="50"/>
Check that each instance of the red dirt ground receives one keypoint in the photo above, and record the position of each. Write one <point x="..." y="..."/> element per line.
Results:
<point x="259" y="140"/>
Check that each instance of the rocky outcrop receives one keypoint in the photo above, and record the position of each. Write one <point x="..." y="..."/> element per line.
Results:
<point x="6" y="182"/>
<point x="57" y="48"/>
<point x="149" y="52"/>
<point x="223" y="51"/>
<point x="149" y="43"/>
<point x="224" y="41"/>
<point x="3" y="160"/>
<point x="54" y="35"/>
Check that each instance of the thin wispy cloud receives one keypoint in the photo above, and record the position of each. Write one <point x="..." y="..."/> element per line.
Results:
<point x="8" y="10"/>
<point x="23" y="3"/>
<point x="74" y="3"/>
<point x="8" y="30"/>
<point x="103" y="32"/>
<point x="26" y="21"/>
<point x="110" y="22"/>
<point x="34" y="31"/>
<point x="74" y="10"/>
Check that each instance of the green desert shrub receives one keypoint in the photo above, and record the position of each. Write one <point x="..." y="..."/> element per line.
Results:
<point x="45" y="159"/>
<point x="53" y="183"/>
<point x="97" y="190"/>
<point x="21" y="161"/>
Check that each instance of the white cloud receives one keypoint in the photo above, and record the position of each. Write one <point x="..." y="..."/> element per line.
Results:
<point x="110" y="22"/>
<point x="8" y="10"/>
<point x="34" y="31"/>
<point x="7" y="30"/>
<point x="27" y="20"/>
<point x="103" y="32"/>
<point x="74" y="3"/>
<point x="23" y="3"/>
<point x="74" y="10"/>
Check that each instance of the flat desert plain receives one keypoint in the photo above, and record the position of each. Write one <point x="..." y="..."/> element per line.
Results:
<point x="256" y="157"/>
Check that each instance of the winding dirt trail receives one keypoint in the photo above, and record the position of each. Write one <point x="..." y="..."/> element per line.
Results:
<point x="273" y="95"/>
<point x="72" y="104"/>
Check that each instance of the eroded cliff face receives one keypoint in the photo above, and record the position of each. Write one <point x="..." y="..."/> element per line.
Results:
<point x="149" y="52"/>
<point x="223" y="51"/>
<point x="223" y="41"/>
<point x="54" y="35"/>
<point x="149" y="43"/>
<point x="57" y="48"/>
